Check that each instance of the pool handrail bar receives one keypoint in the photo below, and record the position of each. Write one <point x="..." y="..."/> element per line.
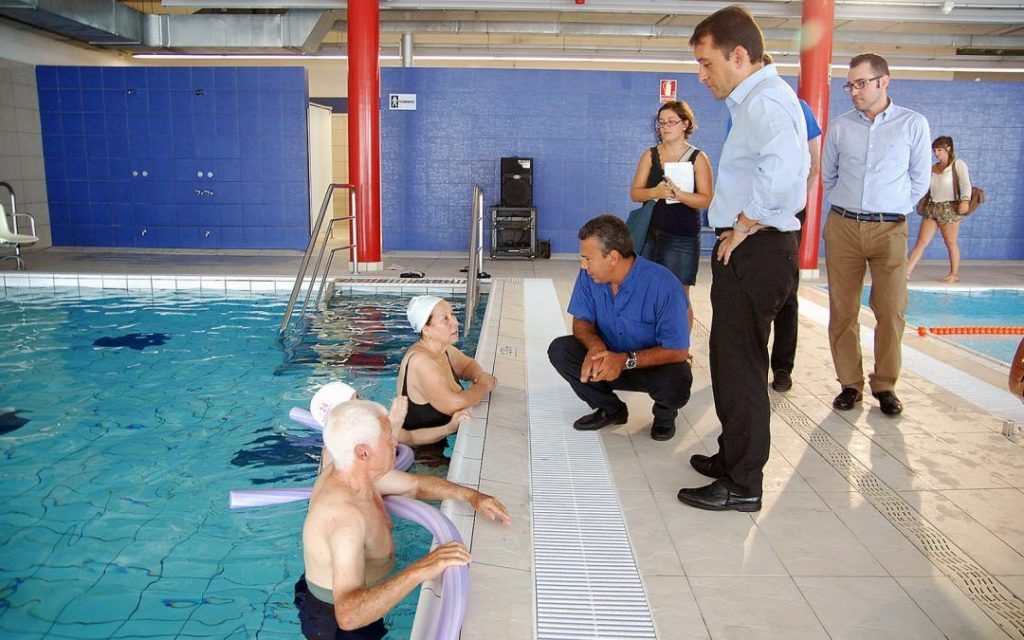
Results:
<point x="10" y="238"/>
<point x="314" y="240"/>
<point x="476" y="257"/>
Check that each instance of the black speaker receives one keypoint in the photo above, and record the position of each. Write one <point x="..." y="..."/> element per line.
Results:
<point x="517" y="182"/>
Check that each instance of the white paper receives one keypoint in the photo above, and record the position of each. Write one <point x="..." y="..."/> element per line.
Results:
<point x="680" y="173"/>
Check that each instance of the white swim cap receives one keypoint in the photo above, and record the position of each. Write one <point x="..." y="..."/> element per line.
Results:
<point x="327" y="397"/>
<point x="419" y="311"/>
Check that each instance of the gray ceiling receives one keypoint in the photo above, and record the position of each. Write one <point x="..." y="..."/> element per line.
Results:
<point x="960" y="34"/>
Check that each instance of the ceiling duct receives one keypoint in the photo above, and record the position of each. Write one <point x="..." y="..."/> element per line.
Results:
<point x="108" y="23"/>
<point x="296" y="30"/>
<point x="97" y="22"/>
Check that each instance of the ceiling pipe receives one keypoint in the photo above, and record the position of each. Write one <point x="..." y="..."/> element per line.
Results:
<point x="406" y="49"/>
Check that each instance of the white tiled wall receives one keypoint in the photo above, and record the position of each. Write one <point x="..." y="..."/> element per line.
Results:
<point x="21" y="145"/>
<point x="144" y="283"/>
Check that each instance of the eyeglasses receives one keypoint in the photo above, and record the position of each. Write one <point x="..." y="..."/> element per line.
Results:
<point x="661" y="124"/>
<point x="860" y="84"/>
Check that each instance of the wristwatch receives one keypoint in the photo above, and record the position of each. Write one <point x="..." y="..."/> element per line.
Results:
<point x="739" y="227"/>
<point x="631" y="360"/>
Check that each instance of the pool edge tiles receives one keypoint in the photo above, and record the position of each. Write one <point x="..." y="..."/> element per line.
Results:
<point x="142" y="283"/>
<point x="465" y="465"/>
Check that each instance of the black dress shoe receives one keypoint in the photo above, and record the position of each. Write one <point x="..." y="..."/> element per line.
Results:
<point x="847" y="398"/>
<point x="891" y="405"/>
<point x="663" y="429"/>
<point x="782" y="381"/>
<point x="718" y="497"/>
<point x="600" y="419"/>
<point x="709" y="466"/>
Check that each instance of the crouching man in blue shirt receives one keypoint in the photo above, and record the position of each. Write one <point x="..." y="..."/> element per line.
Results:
<point x="629" y="332"/>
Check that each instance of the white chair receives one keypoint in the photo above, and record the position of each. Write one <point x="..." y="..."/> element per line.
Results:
<point x="11" y="239"/>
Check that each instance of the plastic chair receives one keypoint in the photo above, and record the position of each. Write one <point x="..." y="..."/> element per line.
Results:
<point x="9" y="236"/>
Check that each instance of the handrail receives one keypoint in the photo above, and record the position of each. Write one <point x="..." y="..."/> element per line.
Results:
<point x="14" y="205"/>
<point x="18" y="260"/>
<point x="476" y="252"/>
<point x="314" y="239"/>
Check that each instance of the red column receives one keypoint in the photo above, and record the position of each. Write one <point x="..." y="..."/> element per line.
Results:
<point x="364" y="123"/>
<point x="815" y="75"/>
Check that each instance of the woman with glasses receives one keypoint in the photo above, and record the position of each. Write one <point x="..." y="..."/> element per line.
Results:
<point x="941" y="208"/>
<point x="673" y="239"/>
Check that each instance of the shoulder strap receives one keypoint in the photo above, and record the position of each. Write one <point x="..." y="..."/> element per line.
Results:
<point x="655" y="157"/>
<point x="451" y="366"/>
<point x="405" y="379"/>
<point x="691" y="154"/>
<point x="956" y="183"/>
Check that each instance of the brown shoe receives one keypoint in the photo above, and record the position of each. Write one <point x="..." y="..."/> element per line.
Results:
<point x="847" y="398"/>
<point x="891" y="405"/>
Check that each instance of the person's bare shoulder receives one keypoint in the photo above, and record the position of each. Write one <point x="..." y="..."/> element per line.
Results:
<point x="330" y="507"/>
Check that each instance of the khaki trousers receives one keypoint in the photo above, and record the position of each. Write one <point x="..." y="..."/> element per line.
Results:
<point x="850" y="246"/>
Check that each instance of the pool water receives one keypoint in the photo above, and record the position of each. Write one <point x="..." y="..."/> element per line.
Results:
<point x="969" y="308"/>
<point x="125" y="420"/>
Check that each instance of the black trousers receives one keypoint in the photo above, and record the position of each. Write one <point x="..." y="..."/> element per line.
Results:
<point x="746" y="294"/>
<point x="668" y="385"/>
<point x="787" y="322"/>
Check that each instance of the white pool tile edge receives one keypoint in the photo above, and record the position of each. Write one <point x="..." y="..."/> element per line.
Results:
<point x="465" y="465"/>
<point x="142" y="283"/>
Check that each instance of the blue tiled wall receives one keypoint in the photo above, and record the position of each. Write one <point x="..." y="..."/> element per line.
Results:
<point x="176" y="157"/>
<point x="587" y="129"/>
<point x="986" y="124"/>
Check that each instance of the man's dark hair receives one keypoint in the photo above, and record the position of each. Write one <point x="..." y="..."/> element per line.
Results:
<point x="611" y="233"/>
<point x="879" y="65"/>
<point x="729" y="28"/>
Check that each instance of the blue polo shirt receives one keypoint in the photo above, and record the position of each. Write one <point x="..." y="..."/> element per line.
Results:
<point x="649" y="309"/>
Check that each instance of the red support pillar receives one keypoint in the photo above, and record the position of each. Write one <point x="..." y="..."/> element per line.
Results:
<point x="815" y="75"/>
<point x="364" y="123"/>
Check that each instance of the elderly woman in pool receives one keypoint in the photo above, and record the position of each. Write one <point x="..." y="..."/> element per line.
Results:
<point x="431" y="374"/>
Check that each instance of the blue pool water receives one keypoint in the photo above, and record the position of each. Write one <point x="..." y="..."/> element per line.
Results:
<point x="124" y="423"/>
<point x="969" y="308"/>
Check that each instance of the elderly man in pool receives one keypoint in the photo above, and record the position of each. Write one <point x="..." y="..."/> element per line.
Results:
<point x="347" y="544"/>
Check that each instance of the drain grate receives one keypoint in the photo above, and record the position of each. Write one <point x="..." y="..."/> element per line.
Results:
<point x="586" y="581"/>
<point x="985" y="591"/>
<point x="361" y="280"/>
<point x="998" y="602"/>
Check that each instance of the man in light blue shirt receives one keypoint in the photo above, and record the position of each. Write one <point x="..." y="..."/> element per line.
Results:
<point x="762" y="184"/>
<point x="876" y="166"/>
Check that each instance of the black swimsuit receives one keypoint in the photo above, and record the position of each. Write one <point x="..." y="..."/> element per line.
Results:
<point x="422" y="416"/>
<point x="318" y="621"/>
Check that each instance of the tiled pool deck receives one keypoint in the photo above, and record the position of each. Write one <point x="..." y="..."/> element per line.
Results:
<point x="872" y="527"/>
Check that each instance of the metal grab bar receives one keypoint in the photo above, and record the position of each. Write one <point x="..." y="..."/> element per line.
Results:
<point x="476" y="257"/>
<point x="315" y="239"/>
<point x="18" y="260"/>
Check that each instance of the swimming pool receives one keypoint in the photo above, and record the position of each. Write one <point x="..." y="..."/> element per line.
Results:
<point x="969" y="308"/>
<point x="124" y="422"/>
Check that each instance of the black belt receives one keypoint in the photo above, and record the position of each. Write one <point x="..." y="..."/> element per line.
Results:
<point x="720" y="230"/>
<point x="868" y="217"/>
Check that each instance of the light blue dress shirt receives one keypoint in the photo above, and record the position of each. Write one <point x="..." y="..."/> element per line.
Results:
<point x="765" y="161"/>
<point x="886" y="164"/>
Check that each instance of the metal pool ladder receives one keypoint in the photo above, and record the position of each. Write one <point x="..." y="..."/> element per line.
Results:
<point x="476" y="257"/>
<point x="319" y="244"/>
